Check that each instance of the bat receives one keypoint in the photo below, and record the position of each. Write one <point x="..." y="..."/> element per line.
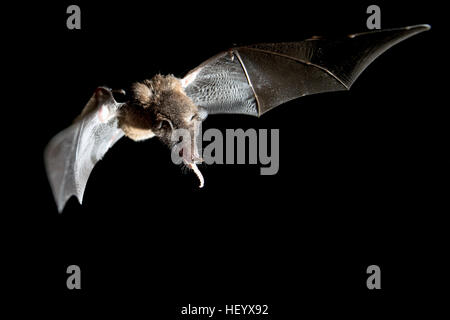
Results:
<point x="247" y="80"/>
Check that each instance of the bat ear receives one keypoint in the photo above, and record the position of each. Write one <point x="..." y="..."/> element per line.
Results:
<point x="142" y="93"/>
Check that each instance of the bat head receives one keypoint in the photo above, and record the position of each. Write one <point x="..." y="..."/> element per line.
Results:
<point x="160" y="107"/>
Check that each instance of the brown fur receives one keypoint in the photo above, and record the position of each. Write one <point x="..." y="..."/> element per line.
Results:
<point x="142" y="92"/>
<point x="153" y="105"/>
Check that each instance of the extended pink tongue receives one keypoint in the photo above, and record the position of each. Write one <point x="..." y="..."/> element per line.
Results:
<point x="199" y="175"/>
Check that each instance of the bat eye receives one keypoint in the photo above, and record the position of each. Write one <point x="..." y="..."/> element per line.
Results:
<point x="195" y="117"/>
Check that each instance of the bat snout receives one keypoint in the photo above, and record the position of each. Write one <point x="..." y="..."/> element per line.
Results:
<point x="188" y="153"/>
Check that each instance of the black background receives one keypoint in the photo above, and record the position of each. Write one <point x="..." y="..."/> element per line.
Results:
<point x="357" y="184"/>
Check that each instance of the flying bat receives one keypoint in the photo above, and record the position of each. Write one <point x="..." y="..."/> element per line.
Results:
<point x="243" y="80"/>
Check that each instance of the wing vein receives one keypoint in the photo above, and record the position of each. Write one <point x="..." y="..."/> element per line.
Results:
<point x="248" y="80"/>
<point x="301" y="61"/>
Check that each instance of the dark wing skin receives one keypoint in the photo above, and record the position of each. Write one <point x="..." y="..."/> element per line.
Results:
<point x="72" y="154"/>
<point x="254" y="79"/>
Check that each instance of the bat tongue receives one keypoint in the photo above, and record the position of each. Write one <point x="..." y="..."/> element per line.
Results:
<point x="191" y="157"/>
<point x="197" y="172"/>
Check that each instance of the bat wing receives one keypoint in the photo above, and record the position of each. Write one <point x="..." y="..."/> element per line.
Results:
<point x="72" y="154"/>
<point x="254" y="79"/>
